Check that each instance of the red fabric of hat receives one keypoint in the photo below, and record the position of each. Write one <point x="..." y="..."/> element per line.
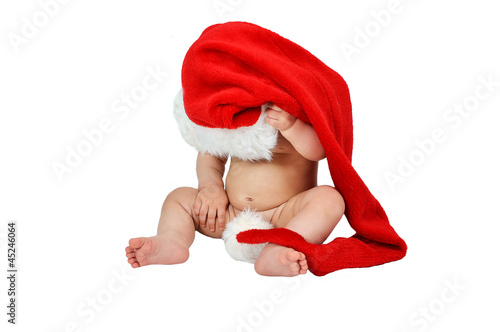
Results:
<point x="233" y="69"/>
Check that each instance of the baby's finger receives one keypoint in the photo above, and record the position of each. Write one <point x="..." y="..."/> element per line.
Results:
<point x="273" y="114"/>
<point x="221" y="218"/>
<point x="211" y="219"/>
<point x="197" y="206"/>
<point x="273" y="106"/>
<point x="270" y="121"/>
<point x="203" y="215"/>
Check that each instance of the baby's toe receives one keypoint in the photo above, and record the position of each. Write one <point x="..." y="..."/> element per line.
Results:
<point x="293" y="255"/>
<point x="303" y="267"/>
<point x="303" y="264"/>
<point x="136" y="242"/>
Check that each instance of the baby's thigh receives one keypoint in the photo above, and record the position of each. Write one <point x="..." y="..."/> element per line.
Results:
<point x="185" y="198"/>
<point x="282" y="215"/>
<point x="317" y="200"/>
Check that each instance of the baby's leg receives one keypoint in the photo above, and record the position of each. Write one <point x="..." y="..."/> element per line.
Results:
<point x="175" y="234"/>
<point x="313" y="214"/>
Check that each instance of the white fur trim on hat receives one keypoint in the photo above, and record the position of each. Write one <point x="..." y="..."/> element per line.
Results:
<point x="244" y="221"/>
<point x="247" y="143"/>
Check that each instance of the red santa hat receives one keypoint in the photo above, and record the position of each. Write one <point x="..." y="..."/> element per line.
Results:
<point x="228" y="74"/>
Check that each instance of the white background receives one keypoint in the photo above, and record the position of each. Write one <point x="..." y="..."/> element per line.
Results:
<point x="65" y="79"/>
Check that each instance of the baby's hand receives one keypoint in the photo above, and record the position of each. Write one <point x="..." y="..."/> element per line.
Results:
<point x="278" y="118"/>
<point x="211" y="203"/>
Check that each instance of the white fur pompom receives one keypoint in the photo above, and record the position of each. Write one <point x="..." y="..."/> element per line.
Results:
<point x="244" y="221"/>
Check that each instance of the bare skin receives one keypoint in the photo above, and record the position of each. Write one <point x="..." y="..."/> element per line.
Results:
<point x="285" y="190"/>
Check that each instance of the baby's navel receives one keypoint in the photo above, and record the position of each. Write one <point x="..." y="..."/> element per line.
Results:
<point x="249" y="199"/>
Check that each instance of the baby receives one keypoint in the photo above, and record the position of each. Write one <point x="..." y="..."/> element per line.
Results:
<point x="284" y="190"/>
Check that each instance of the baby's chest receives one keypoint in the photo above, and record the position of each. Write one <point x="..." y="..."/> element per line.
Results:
<point x="283" y="145"/>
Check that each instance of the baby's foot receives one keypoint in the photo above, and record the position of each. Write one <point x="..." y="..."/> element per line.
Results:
<point x="275" y="260"/>
<point x="144" y="251"/>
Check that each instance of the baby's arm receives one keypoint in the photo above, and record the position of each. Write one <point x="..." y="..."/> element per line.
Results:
<point x="300" y="134"/>
<point x="212" y="201"/>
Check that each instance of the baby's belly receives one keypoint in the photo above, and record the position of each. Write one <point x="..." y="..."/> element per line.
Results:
<point x="265" y="185"/>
